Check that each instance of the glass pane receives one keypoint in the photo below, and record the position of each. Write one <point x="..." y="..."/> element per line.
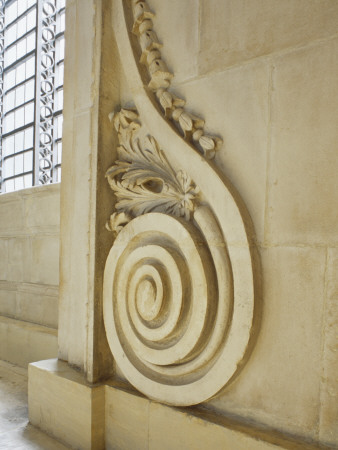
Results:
<point x="11" y="12"/>
<point x="29" y="113"/>
<point x="8" y="146"/>
<point x="28" y="180"/>
<point x="20" y="73"/>
<point x="21" y="49"/>
<point x="31" y="42"/>
<point x="9" y="186"/>
<point x="10" y="79"/>
<point x="9" y="101"/>
<point x="22" y="27"/>
<point x="22" y="6"/>
<point x="19" y="141"/>
<point x="9" y="122"/>
<point x="30" y="67"/>
<point x="10" y="56"/>
<point x="31" y="18"/>
<point x="29" y="90"/>
<point x="29" y="138"/>
<point x="59" y="103"/>
<point x="18" y="164"/>
<point x="60" y="121"/>
<point x="19" y="95"/>
<point x="31" y="3"/>
<point x="28" y="161"/>
<point x="59" y="152"/>
<point x="18" y="183"/>
<point x="19" y="117"/>
<point x="8" y="167"/>
<point x="10" y="35"/>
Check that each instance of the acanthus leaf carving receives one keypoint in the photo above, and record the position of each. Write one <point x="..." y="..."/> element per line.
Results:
<point x="142" y="177"/>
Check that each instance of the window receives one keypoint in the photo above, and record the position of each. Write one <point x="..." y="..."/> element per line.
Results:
<point x="31" y="92"/>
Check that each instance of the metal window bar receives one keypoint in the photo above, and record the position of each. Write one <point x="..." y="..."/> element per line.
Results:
<point x="47" y="135"/>
<point x="2" y="64"/>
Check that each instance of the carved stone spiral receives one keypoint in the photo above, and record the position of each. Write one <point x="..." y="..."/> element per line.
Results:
<point x="167" y="298"/>
<point x="179" y="285"/>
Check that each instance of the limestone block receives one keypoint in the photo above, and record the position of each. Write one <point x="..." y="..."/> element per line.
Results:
<point x="74" y="247"/>
<point x="234" y="31"/>
<point x="303" y="182"/>
<point x="280" y="384"/>
<point x="328" y="431"/>
<point x="195" y="433"/>
<point x="37" y="304"/>
<point x="234" y="105"/>
<point x="177" y="25"/>
<point x="44" y="262"/>
<point x="11" y="213"/>
<point x="22" y="342"/>
<point x="17" y="250"/>
<point x="127" y="418"/>
<point x="3" y="259"/>
<point x="87" y="50"/>
<point x="42" y="208"/>
<point x="63" y="405"/>
<point x="8" y="299"/>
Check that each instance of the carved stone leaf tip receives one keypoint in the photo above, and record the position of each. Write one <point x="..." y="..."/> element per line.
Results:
<point x="143" y="179"/>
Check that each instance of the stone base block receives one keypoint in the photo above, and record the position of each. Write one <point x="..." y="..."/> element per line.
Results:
<point x="24" y="342"/>
<point x="113" y="416"/>
<point x="63" y="405"/>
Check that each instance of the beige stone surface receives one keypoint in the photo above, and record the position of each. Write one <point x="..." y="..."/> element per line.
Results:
<point x="328" y="430"/>
<point x="15" y="431"/>
<point x="30" y="302"/>
<point x="235" y="31"/>
<point x="303" y="182"/>
<point x="45" y="260"/>
<point x="42" y="211"/>
<point x="24" y="342"/>
<point x="235" y="106"/>
<point x="63" y="405"/>
<point x="29" y="255"/>
<point x="285" y="366"/>
<point x="177" y="25"/>
<point x="3" y="259"/>
<point x="126" y="420"/>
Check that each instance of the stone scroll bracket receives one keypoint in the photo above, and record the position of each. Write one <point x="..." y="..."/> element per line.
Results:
<point x="179" y="284"/>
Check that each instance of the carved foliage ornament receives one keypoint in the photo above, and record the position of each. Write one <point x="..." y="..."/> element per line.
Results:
<point x="191" y="126"/>
<point x="178" y="295"/>
<point x="142" y="178"/>
<point x="169" y="300"/>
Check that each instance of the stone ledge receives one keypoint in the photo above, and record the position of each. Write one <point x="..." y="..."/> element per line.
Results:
<point x="114" y="416"/>
<point x="24" y="342"/>
<point x="62" y="404"/>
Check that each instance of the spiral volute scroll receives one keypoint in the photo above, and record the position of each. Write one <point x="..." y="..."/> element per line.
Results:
<point x="179" y="285"/>
<point x="177" y="307"/>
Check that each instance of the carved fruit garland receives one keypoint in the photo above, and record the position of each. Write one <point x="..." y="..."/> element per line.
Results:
<point x="190" y="125"/>
<point x="142" y="178"/>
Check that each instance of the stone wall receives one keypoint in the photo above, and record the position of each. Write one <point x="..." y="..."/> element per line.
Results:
<point x="263" y="75"/>
<point x="29" y="274"/>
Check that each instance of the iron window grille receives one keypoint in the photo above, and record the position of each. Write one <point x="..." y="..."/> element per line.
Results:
<point x="31" y="92"/>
